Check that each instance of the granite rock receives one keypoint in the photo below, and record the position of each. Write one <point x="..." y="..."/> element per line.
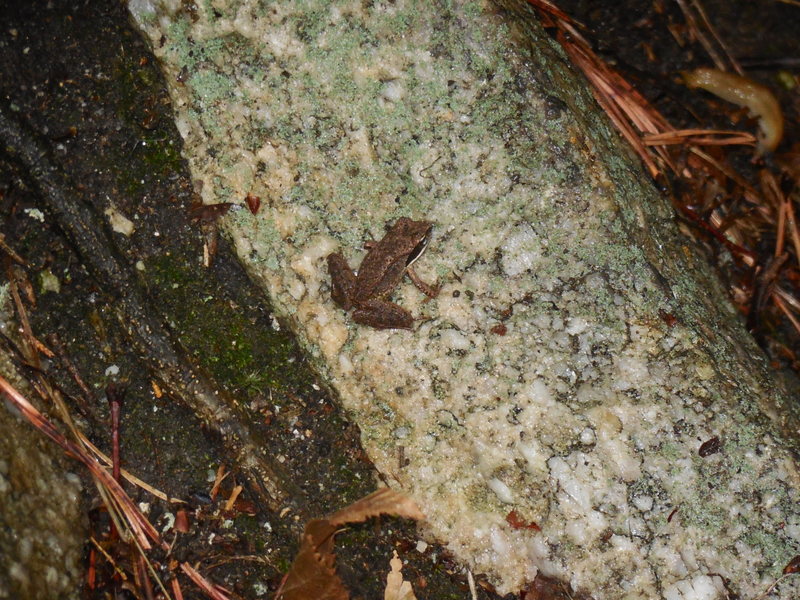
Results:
<point x="579" y="354"/>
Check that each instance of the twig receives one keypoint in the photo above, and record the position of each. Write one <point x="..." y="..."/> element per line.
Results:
<point x="115" y="394"/>
<point x="700" y="36"/>
<point x="203" y="583"/>
<point x="141" y="527"/>
<point x="134" y="310"/>
<point x="713" y="31"/>
<point x="10" y="251"/>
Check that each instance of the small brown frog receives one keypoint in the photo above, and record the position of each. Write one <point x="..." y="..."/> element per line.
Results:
<point x="381" y="270"/>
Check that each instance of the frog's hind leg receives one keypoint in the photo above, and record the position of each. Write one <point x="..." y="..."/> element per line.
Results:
<point x="343" y="281"/>
<point x="381" y="314"/>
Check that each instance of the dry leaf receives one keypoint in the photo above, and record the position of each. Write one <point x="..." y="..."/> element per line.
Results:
<point x="550" y="588"/>
<point x="208" y="213"/>
<point x="253" y="203"/>
<point x="396" y="587"/>
<point x="385" y="501"/>
<point x="312" y="575"/>
<point x="793" y="566"/>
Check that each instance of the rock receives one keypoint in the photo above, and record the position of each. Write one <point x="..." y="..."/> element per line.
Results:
<point x="578" y="355"/>
<point x="41" y="516"/>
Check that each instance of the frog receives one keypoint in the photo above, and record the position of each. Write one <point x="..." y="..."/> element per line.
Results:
<point x="385" y="264"/>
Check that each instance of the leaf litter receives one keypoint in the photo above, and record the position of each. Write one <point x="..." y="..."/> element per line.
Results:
<point x="313" y="572"/>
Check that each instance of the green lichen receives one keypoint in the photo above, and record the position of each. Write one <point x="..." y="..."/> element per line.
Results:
<point x="210" y="87"/>
<point x="776" y="552"/>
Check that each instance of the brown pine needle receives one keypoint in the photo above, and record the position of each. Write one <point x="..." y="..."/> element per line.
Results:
<point x="204" y="584"/>
<point x="787" y="313"/>
<point x="788" y="298"/>
<point x="139" y="525"/>
<point x="698" y="34"/>
<point x="232" y="498"/>
<point x="176" y="589"/>
<point x="713" y="31"/>
<point x="781" y="229"/>
<point x="220" y="477"/>
<point x="791" y="223"/>
<point x="631" y="113"/>
<point x="120" y="573"/>
<point x="130" y="477"/>
<point x="754" y="196"/>
<point x="701" y="137"/>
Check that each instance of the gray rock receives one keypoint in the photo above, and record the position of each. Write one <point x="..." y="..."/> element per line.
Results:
<point x="578" y="356"/>
<point x="41" y="517"/>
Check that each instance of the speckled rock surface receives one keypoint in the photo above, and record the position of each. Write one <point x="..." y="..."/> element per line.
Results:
<point x="42" y="522"/>
<point x="578" y="356"/>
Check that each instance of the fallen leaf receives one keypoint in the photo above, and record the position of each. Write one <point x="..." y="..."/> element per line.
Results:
<point x="793" y="566"/>
<point x="312" y="574"/>
<point x="518" y="522"/>
<point x="385" y="501"/>
<point x="208" y="213"/>
<point x="396" y="587"/>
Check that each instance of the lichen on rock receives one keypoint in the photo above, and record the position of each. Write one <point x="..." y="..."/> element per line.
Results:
<point x="577" y="356"/>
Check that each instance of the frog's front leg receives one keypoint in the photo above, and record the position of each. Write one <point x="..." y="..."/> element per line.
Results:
<point x="343" y="281"/>
<point x="382" y="314"/>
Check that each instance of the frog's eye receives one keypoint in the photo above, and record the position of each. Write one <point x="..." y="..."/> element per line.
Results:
<point x="419" y="249"/>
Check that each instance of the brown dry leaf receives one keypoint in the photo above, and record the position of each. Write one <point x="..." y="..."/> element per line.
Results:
<point x="208" y="213"/>
<point x="550" y="588"/>
<point x="793" y="566"/>
<point x="312" y="574"/>
<point x="396" y="587"/>
<point x="385" y="501"/>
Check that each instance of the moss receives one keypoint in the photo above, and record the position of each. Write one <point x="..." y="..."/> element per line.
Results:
<point x="157" y="149"/>
<point x="180" y="44"/>
<point x="670" y="451"/>
<point x="163" y="157"/>
<point x="222" y="337"/>
<point x="775" y="551"/>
